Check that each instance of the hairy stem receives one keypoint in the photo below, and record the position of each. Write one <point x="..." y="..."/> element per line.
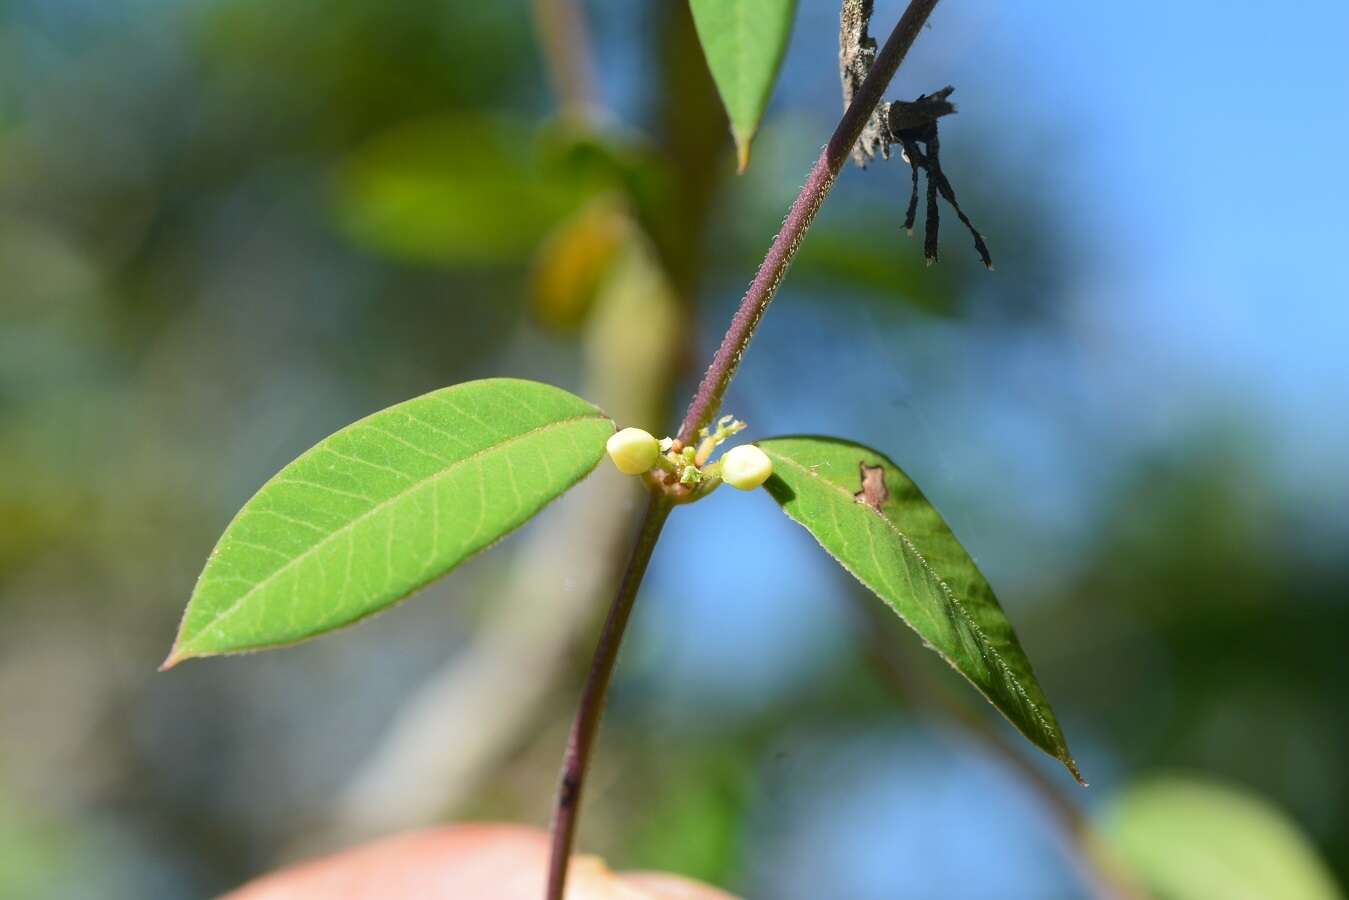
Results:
<point x="587" y="722"/>
<point x="821" y="180"/>
<point x="701" y="411"/>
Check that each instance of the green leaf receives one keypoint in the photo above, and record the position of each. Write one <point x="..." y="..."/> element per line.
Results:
<point x="1195" y="840"/>
<point x="744" y="42"/>
<point x="871" y="518"/>
<point x="456" y="189"/>
<point x="384" y="506"/>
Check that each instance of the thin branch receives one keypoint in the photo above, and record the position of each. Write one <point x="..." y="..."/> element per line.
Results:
<point x="562" y="35"/>
<point x="587" y="722"/>
<point x="707" y="401"/>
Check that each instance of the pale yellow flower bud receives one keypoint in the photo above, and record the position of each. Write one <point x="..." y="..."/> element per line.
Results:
<point x="633" y="450"/>
<point x="745" y="467"/>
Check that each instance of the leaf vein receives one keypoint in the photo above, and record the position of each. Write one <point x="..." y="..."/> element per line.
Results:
<point x="406" y="443"/>
<point x="988" y="650"/>
<point x="365" y="462"/>
<point x="348" y="527"/>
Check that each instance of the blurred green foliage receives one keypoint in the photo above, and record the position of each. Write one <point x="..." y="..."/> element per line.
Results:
<point x="229" y="227"/>
<point x="1193" y="840"/>
<point x="463" y="190"/>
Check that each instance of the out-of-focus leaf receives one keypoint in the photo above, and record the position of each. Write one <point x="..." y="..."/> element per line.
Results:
<point x="572" y="263"/>
<point x="744" y="42"/>
<point x="695" y="818"/>
<point x="871" y="518"/>
<point x="1196" y="840"/>
<point x="33" y="854"/>
<point x="385" y="506"/>
<point x="614" y="163"/>
<point x="631" y="339"/>
<point x="375" y="64"/>
<point x="457" y="189"/>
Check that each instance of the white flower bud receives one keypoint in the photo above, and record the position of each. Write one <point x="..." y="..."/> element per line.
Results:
<point x="633" y="450"/>
<point x="745" y="467"/>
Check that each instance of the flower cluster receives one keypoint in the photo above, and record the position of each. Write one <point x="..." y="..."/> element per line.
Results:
<point x="668" y="462"/>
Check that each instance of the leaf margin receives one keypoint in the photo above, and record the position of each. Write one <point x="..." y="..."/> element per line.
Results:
<point x="742" y="133"/>
<point x="1054" y="742"/>
<point x="178" y="654"/>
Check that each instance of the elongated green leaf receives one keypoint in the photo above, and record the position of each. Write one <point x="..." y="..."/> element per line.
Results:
<point x="744" y="42"/>
<point x="871" y="518"/>
<point x="385" y="506"/>
<point x="1196" y="840"/>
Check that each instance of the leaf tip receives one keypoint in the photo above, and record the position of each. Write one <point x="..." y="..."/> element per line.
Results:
<point x="1071" y="764"/>
<point x="176" y="655"/>
<point x="742" y="145"/>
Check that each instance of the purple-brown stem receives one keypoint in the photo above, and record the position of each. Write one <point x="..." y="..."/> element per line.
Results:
<point x="702" y="409"/>
<point x="587" y="722"/>
<point x="821" y="180"/>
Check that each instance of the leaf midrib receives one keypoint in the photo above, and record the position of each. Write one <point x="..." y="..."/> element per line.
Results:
<point x="947" y="590"/>
<point x="414" y="486"/>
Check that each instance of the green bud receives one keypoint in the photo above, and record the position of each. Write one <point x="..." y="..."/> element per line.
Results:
<point x="633" y="450"/>
<point x="745" y="467"/>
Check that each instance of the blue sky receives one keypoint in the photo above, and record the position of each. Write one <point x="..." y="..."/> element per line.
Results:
<point x="1198" y="154"/>
<point x="1210" y="139"/>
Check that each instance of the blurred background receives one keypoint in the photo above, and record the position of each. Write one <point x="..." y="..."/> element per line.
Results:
<point x="229" y="227"/>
